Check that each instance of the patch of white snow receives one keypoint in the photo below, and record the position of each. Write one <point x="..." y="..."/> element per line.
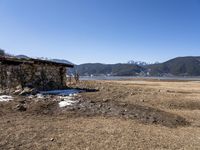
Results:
<point x="40" y="96"/>
<point x="66" y="103"/>
<point x="66" y="97"/>
<point x="5" y="98"/>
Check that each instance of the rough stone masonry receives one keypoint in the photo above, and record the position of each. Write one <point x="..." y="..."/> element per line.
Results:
<point x="34" y="73"/>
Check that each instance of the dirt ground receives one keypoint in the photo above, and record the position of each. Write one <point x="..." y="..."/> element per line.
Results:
<point x="126" y="114"/>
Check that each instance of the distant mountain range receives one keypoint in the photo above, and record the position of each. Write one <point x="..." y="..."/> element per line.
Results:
<point x="109" y="69"/>
<point x="53" y="60"/>
<point x="180" y="66"/>
<point x="140" y="63"/>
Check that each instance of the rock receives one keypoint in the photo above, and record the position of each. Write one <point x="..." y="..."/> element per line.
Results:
<point x="20" y="107"/>
<point x="142" y="100"/>
<point x="17" y="92"/>
<point x="22" y="101"/>
<point x="34" y="92"/>
<point x="91" y="101"/>
<point x="52" y="139"/>
<point x="133" y="93"/>
<point x="100" y="105"/>
<point x="19" y="87"/>
<point x="25" y="91"/>
<point x="105" y="100"/>
<point x="31" y="96"/>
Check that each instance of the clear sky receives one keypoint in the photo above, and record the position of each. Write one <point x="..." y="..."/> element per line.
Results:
<point x="106" y="31"/>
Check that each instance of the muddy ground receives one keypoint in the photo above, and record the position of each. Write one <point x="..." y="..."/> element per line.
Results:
<point x="129" y="114"/>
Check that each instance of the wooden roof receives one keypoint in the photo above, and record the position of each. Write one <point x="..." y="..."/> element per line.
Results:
<point x="17" y="61"/>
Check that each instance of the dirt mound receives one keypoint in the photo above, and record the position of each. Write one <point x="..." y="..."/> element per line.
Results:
<point x="152" y="115"/>
<point x="48" y="105"/>
<point x="184" y="104"/>
<point x="144" y="114"/>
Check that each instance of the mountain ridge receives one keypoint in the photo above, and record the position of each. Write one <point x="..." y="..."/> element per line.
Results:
<point x="179" y="66"/>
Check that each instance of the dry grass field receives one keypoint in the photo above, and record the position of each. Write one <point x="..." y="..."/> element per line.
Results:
<point x="152" y="114"/>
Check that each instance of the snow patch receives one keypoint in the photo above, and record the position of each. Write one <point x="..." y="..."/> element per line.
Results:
<point x="66" y="96"/>
<point x="67" y="101"/>
<point x="40" y="96"/>
<point x="5" y="98"/>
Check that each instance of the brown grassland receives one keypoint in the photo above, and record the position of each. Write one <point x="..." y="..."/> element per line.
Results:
<point x="143" y="114"/>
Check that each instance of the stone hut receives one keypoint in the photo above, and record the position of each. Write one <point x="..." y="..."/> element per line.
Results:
<point x="34" y="73"/>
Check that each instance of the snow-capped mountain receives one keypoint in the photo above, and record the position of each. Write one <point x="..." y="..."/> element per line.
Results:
<point x="140" y="63"/>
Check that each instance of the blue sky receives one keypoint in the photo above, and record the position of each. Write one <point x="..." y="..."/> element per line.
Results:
<point x="106" y="31"/>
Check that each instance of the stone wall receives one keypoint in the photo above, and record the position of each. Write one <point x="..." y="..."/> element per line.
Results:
<point x="39" y="76"/>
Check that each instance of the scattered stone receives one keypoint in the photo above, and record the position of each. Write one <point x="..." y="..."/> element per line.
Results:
<point x="20" y="107"/>
<point x="105" y="100"/>
<point x="26" y="91"/>
<point x="143" y="113"/>
<point x="22" y="101"/>
<point x="133" y="93"/>
<point x="100" y="105"/>
<point x="91" y="101"/>
<point x="30" y="96"/>
<point x="17" y="92"/>
<point x="19" y="87"/>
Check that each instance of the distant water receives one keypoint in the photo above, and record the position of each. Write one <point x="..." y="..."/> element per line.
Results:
<point x="133" y="77"/>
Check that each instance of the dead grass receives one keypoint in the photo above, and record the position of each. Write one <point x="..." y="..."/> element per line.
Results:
<point x="36" y="129"/>
<point x="35" y="132"/>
